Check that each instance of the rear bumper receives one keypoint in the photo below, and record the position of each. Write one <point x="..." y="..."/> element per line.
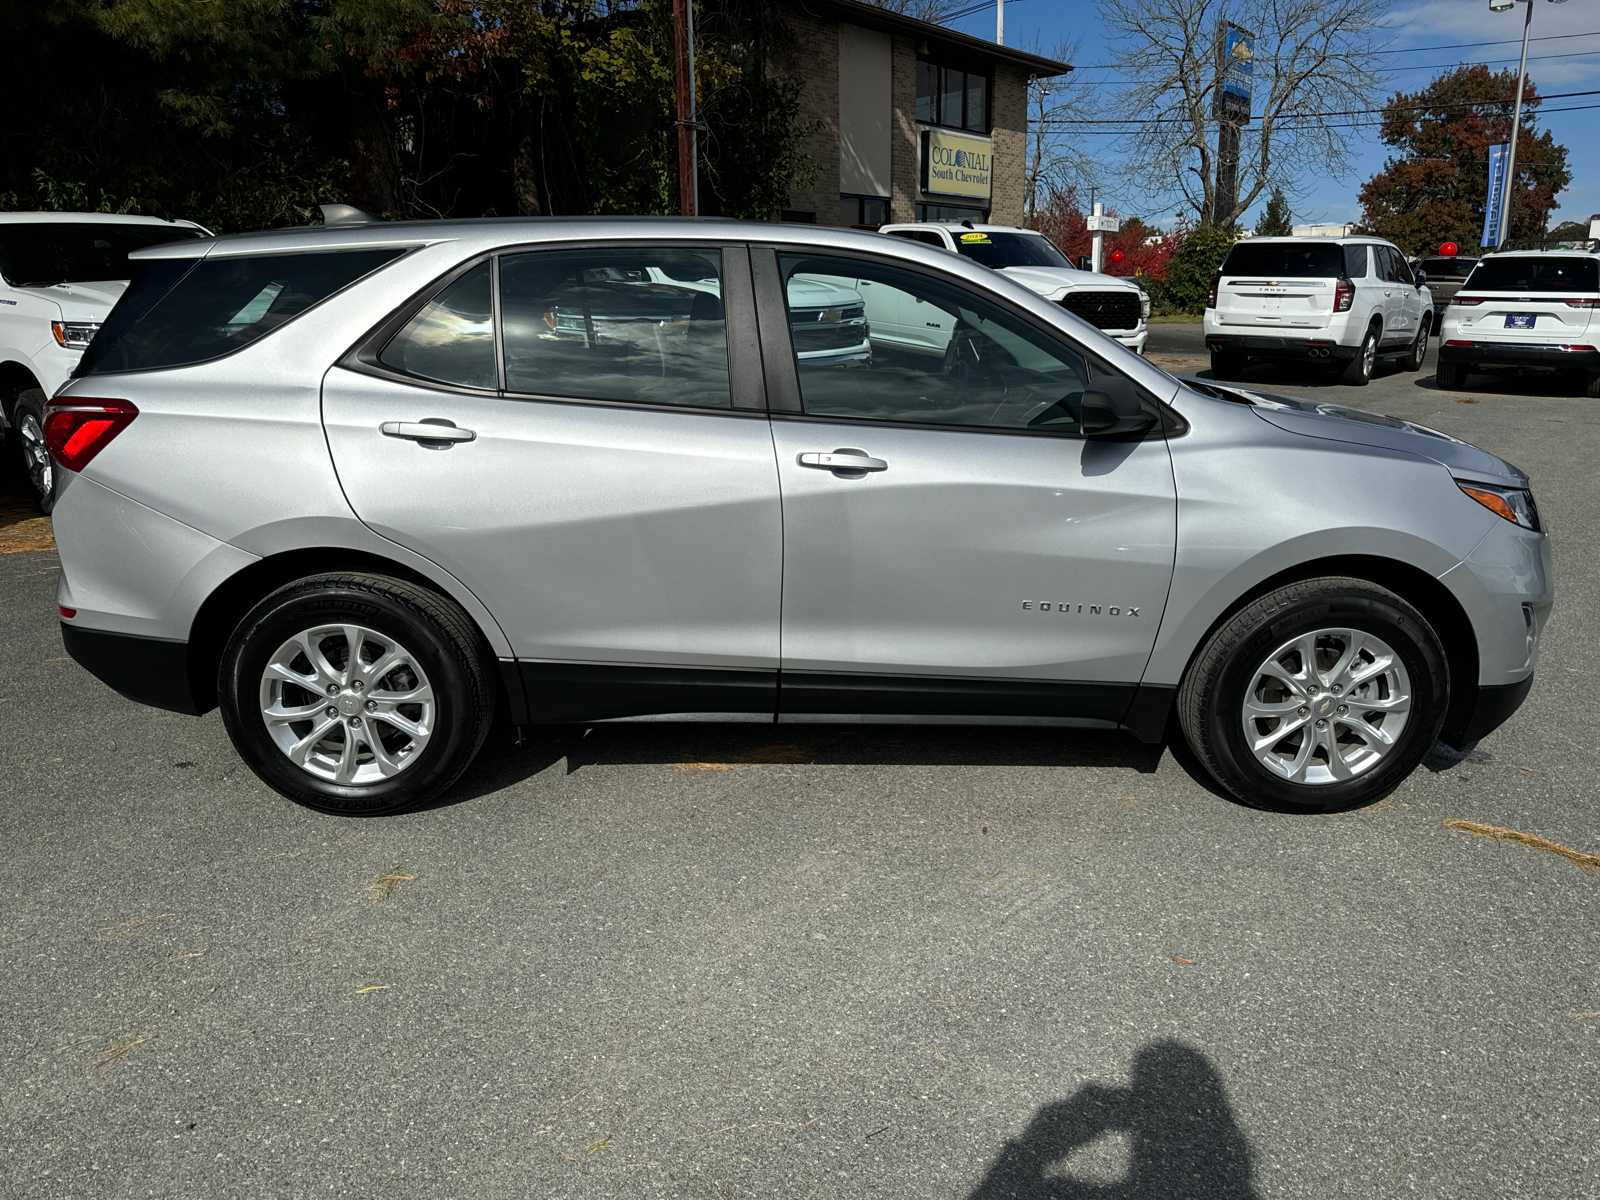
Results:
<point x="1256" y="346"/>
<point x="153" y="671"/>
<point x="1514" y="354"/>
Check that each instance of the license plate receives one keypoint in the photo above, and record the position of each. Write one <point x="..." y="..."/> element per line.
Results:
<point x="1520" y="320"/>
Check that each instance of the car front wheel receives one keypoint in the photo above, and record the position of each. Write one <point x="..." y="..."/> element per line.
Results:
<point x="32" y="455"/>
<point x="1320" y="696"/>
<point x="1413" y="358"/>
<point x="356" y="694"/>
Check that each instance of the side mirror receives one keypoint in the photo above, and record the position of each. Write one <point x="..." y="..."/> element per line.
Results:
<point x="1085" y="262"/>
<point x="1112" y="408"/>
<point x="1422" y="277"/>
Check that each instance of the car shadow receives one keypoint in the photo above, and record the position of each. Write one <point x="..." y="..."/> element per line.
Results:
<point x="1181" y="1139"/>
<point x="510" y="757"/>
<point x="1262" y="374"/>
<point x="1506" y="383"/>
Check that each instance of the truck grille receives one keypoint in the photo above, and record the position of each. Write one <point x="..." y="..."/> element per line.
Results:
<point x="1104" y="310"/>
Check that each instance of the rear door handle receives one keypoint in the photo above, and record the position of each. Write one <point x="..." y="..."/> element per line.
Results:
<point x="430" y="429"/>
<point x="842" y="462"/>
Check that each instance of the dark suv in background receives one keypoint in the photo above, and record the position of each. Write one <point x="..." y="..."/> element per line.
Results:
<point x="1445" y="277"/>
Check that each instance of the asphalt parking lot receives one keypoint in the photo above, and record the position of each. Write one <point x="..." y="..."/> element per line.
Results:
<point x="744" y="961"/>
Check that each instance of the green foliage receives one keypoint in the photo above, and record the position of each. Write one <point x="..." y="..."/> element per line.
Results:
<point x="1276" y="220"/>
<point x="1434" y="189"/>
<point x="56" y="195"/>
<point x="1194" y="264"/>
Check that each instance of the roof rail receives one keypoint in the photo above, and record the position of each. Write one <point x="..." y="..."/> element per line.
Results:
<point x="1586" y="245"/>
<point x="347" y="214"/>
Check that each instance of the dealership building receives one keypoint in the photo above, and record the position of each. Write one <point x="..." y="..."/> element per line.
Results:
<point x="912" y="121"/>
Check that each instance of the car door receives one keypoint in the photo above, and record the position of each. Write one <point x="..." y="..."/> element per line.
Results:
<point x="952" y="545"/>
<point x="583" y="443"/>
<point x="1390" y="271"/>
<point x="1409" y="293"/>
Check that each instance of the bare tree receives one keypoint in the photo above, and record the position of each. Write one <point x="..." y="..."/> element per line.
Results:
<point x="935" y="12"/>
<point x="1313" y="71"/>
<point x="1056" y="155"/>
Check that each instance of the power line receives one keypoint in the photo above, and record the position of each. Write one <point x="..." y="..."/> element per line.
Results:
<point x="1083" y="133"/>
<point x="1348" y="112"/>
<point x="1489" y="61"/>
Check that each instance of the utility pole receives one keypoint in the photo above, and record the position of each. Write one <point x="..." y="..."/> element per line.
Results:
<point x="1516" y="126"/>
<point x="688" y="126"/>
<point x="1000" y="22"/>
<point x="1097" y="246"/>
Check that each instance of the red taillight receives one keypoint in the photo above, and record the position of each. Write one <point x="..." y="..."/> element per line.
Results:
<point x="1589" y="349"/>
<point x="76" y="428"/>
<point x="1457" y="342"/>
<point x="66" y="612"/>
<point x="1344" y="295"/>
<point x="1586" y="303"/>
<point x="1466" y="301"/>
<point x="1215" y="284"/>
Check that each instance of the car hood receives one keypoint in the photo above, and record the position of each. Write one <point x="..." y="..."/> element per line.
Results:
<point x="1047" y="281"/>
<point x="814" y="293"/>
<point x="85" y="301"/>
<point x="1335" y="423"/>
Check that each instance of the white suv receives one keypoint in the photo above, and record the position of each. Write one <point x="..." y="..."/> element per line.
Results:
<point x="1116" y="306"/>
<point x="60" y="273"/>
<point x="1526" y="308"/>
<point x="1341" y="302"/>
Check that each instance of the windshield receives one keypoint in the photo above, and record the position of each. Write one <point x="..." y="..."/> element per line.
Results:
<point x="1286" y="261"/>
<point x="1536" y="275"/>
<point x="35" y="254"/>
<point x="1001" y="250"/>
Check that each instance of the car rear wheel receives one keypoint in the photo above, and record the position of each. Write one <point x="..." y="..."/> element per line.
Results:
<point x="1451" y="376"/>
<point x="356" y="694"/>
<point x="1320" y="696"/>
<point x="1358" y="371"/>
<point x="1592" y="386"/>
<point x="32" y="455"/>
<point x="1226" y="366"/>
<point x="1412" y="359"/>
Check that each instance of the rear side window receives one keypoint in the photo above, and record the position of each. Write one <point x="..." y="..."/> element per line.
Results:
<point x="1355" y="262"/>
<point x="1536" y="275"/>
<point x="219" y="306"/>
<point x="36" y="254"/>
<point x="1285" y="261"/>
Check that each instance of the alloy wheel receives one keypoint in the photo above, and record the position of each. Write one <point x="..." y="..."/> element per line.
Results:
<point x="347" y="704"/>
<point x="35" y="456"/>
<point x="1369" y="355"/>
<point x="1326" y="706"/>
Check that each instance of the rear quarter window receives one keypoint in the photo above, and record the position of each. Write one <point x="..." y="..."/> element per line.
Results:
<point x="173" y="317"/>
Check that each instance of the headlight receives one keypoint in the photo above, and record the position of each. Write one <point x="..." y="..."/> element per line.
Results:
<point x="74" y="335"/>
<point x="1144" y="306"/>
<point x="1514" y="504"/>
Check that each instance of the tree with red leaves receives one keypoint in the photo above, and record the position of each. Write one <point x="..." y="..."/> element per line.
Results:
<point x="1145" y="251"/>
<point x="1435" y="189"/>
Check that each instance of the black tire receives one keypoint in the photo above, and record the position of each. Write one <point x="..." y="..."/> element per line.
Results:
<point x="32" y="459"/>
<point x="1591" y="388"/>
<point x="1211" y="699"/>
<point x="1450" y="376"/>
<point x="1413" y="358"/>
<point x="1226" y="366"/>
<point x="1358" y="371"/>
<point x="446" y="645"/>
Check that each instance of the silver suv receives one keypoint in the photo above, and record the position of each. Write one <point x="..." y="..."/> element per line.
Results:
<point x="367" y="486"/>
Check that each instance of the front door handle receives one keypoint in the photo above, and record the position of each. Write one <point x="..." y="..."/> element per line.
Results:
<point x="842" y="462"/>
<point x="429" y="429"/>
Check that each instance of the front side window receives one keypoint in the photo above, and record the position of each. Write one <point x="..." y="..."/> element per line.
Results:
<point x="37" y="254"/>
<point x="216" y="306"/>
<point x="641" y="325"/>
<point x="936" y="354"/>
<point x="1554" y="274"/>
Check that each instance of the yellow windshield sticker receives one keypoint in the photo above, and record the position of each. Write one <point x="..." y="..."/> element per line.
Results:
<point x="982" y="238"/>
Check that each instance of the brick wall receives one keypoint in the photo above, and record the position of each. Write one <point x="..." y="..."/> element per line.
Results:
<point x="906" y="145"/>
<point x="1010" y="118"/>
<point x="818" y="71"/>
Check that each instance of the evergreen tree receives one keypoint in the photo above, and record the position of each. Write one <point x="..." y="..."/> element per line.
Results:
<point x="1276" y="219"/>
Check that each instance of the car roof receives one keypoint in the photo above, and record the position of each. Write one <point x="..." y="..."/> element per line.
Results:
<point x="89" y="218"/>
<point x="1561" y="253"/>
<point x="488" y="233"/>
<point x="1363" y="239"/>
<point x="975" y="227"/>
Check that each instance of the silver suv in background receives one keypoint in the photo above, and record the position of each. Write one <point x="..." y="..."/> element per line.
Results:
<point x="1525" y="309"/>
<point x="1333" y="302"/>
<point x="356" y="486"/>
<point x="60" y="273"/>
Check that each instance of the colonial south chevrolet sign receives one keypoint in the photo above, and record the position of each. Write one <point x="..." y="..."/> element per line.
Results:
<point x="956" y="164"/>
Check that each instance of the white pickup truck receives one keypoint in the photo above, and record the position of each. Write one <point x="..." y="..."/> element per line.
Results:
<point x="60" y="274"/>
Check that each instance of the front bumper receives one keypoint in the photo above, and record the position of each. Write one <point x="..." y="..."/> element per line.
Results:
<point x="1315" y="349"/>
<point x="1493" y="708"/>
<point x="1133" y="341"/>
<point x="1515" y="354"/>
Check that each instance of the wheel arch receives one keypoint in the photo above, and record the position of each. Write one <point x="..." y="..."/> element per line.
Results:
<point x="1419" y="589"/>
<point x="220" y="613"/>
<point x="15" y="378"/>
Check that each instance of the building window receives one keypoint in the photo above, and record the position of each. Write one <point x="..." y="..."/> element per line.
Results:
<point x="794" y="216"/>
<point x="958" y="99"/>
<point x="871" y="211"/>
<point x="951" y="213"/>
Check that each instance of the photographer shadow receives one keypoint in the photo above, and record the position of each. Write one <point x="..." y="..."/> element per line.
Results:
<point x="1183" y="1141"/>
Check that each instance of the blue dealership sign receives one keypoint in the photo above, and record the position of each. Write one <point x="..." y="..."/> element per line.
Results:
<point x="1494" y="209"/>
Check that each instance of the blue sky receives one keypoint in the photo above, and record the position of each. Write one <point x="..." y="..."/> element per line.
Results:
<point x="1416" y="26"/>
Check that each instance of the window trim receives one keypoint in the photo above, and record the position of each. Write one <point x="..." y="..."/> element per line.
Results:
<point x="782" y="367"/>
<point x="742" y="342"/>
<point x="988" y="98"/>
